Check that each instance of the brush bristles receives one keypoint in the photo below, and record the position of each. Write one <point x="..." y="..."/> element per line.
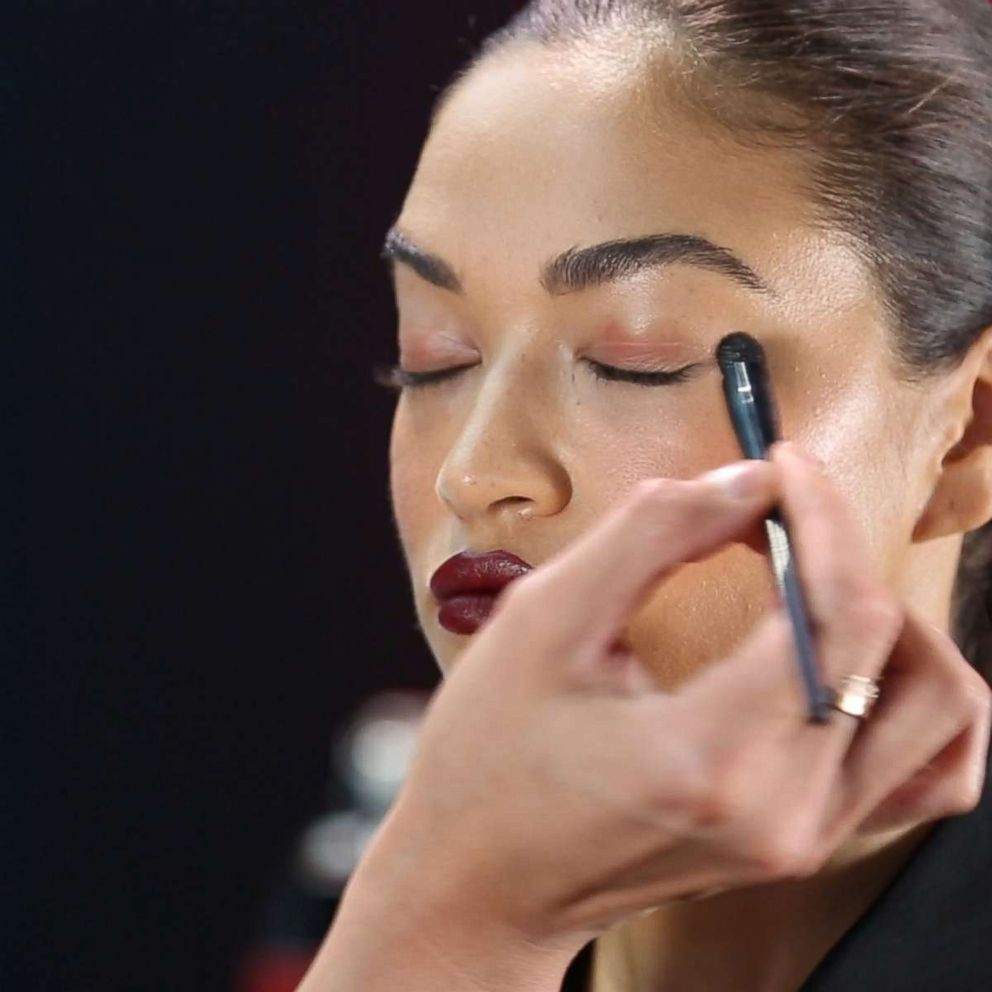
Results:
<point x="739" y="347"/>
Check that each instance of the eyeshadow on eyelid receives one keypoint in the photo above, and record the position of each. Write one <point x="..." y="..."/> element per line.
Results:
<point x="652" y="350"/>
<point x="613" y="343"/>
<point x="416" y="344"/>
<point x="651" y="336"/>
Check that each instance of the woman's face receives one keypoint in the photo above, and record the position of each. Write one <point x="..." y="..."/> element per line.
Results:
<point x="536" y="153"/>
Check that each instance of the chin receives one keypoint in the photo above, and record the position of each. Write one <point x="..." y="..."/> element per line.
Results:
<point x="442" y="653"/>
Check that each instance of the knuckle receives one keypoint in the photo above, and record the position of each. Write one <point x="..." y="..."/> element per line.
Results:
<point x="983" y="705"/>
<point x="708" y="805"/>
<point x="964" y="798"/>
<point x="876" y="612"/>
<point x="713" y="795"/>
<point x="786" y="850"/>
<point x="660" y="504"/>
<point x="978" y="694"/>
<point x="965" y="692"/>
<point x="689" y="789"/>
<point x="647" y="493"/>
<point x="950" y="794"/>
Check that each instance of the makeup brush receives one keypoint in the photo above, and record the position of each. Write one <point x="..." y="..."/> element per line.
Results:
<point x="747" y="390"/>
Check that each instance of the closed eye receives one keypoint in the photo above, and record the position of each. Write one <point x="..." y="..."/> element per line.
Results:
<point x="396" y="378"/>
<point x="662" y="377"/>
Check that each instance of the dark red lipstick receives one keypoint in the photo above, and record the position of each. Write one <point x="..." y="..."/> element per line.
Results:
<point x="467" y="586"/>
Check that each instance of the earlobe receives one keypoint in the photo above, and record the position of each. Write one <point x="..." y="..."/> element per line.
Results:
<point x="961" y="500"/>
<point x="964" y="509"/>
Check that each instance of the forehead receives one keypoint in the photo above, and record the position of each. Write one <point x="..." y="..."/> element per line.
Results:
<point x="538" y="149"/>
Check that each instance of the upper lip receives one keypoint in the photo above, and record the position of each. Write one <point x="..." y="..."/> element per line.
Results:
<point x="477" y="572"/>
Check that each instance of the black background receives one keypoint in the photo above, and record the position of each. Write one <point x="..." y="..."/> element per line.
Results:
<point x="206" y="578"/>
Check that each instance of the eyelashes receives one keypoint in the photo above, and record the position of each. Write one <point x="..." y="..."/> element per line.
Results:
<point x="395" y="378"/>
<point x="663" y="377"/>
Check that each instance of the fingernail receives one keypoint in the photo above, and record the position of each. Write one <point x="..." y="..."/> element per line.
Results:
<point x="740" y="480"/>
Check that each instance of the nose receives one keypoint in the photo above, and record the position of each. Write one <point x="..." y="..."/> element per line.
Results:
<point x="503" y="460"/>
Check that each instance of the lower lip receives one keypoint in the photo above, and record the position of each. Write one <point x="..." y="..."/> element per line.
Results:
<point x="466" y="614"/>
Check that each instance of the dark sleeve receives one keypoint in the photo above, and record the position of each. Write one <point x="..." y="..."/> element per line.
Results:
<point x="579" y="972"/>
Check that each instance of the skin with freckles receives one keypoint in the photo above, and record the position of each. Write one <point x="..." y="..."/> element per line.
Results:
<point x="537" y="151"/>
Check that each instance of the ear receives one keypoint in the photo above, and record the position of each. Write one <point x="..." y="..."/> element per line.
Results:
<point x="962" y="495"/>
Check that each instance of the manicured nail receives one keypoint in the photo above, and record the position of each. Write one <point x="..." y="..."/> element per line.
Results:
<point x="740" y="480"/>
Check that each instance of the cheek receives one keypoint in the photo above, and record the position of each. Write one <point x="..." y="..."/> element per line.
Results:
<point x="411" y="482"/>
<point x="702" y="609"/>
<point x="632" y="434"/>
<point x="863" y="437"/>
<point x="700" y="613"/>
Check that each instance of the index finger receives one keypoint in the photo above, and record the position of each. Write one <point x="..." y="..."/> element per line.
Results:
<point x="598" y="581"/>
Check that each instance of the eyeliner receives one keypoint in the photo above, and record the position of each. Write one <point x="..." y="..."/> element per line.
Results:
<point x="747" y="390"/>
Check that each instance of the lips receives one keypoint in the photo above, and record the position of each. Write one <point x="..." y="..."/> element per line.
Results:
<point x="468" y="584"/>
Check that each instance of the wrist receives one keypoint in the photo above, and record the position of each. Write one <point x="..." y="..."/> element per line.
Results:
<point x="393" y="952"/>
<point x="397" y="927"/>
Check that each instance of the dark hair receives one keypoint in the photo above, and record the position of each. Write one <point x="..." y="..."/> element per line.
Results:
<point x="894" y="98"/>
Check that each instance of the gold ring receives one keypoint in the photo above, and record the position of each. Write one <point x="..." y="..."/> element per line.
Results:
<point x="855" y="695"/>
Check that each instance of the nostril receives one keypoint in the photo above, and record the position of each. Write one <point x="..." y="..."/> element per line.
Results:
<point x="524" y="484"/>
<point x="522" y="505"/>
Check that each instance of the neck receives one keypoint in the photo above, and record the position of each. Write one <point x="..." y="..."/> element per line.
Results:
<point x="766" y="938"/>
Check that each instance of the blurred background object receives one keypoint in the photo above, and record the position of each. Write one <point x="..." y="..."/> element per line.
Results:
<point x="371" y="757"/>
<point x="204" y="583"/>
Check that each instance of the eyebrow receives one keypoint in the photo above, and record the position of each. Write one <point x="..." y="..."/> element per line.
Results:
<point x="577" y="268"/>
